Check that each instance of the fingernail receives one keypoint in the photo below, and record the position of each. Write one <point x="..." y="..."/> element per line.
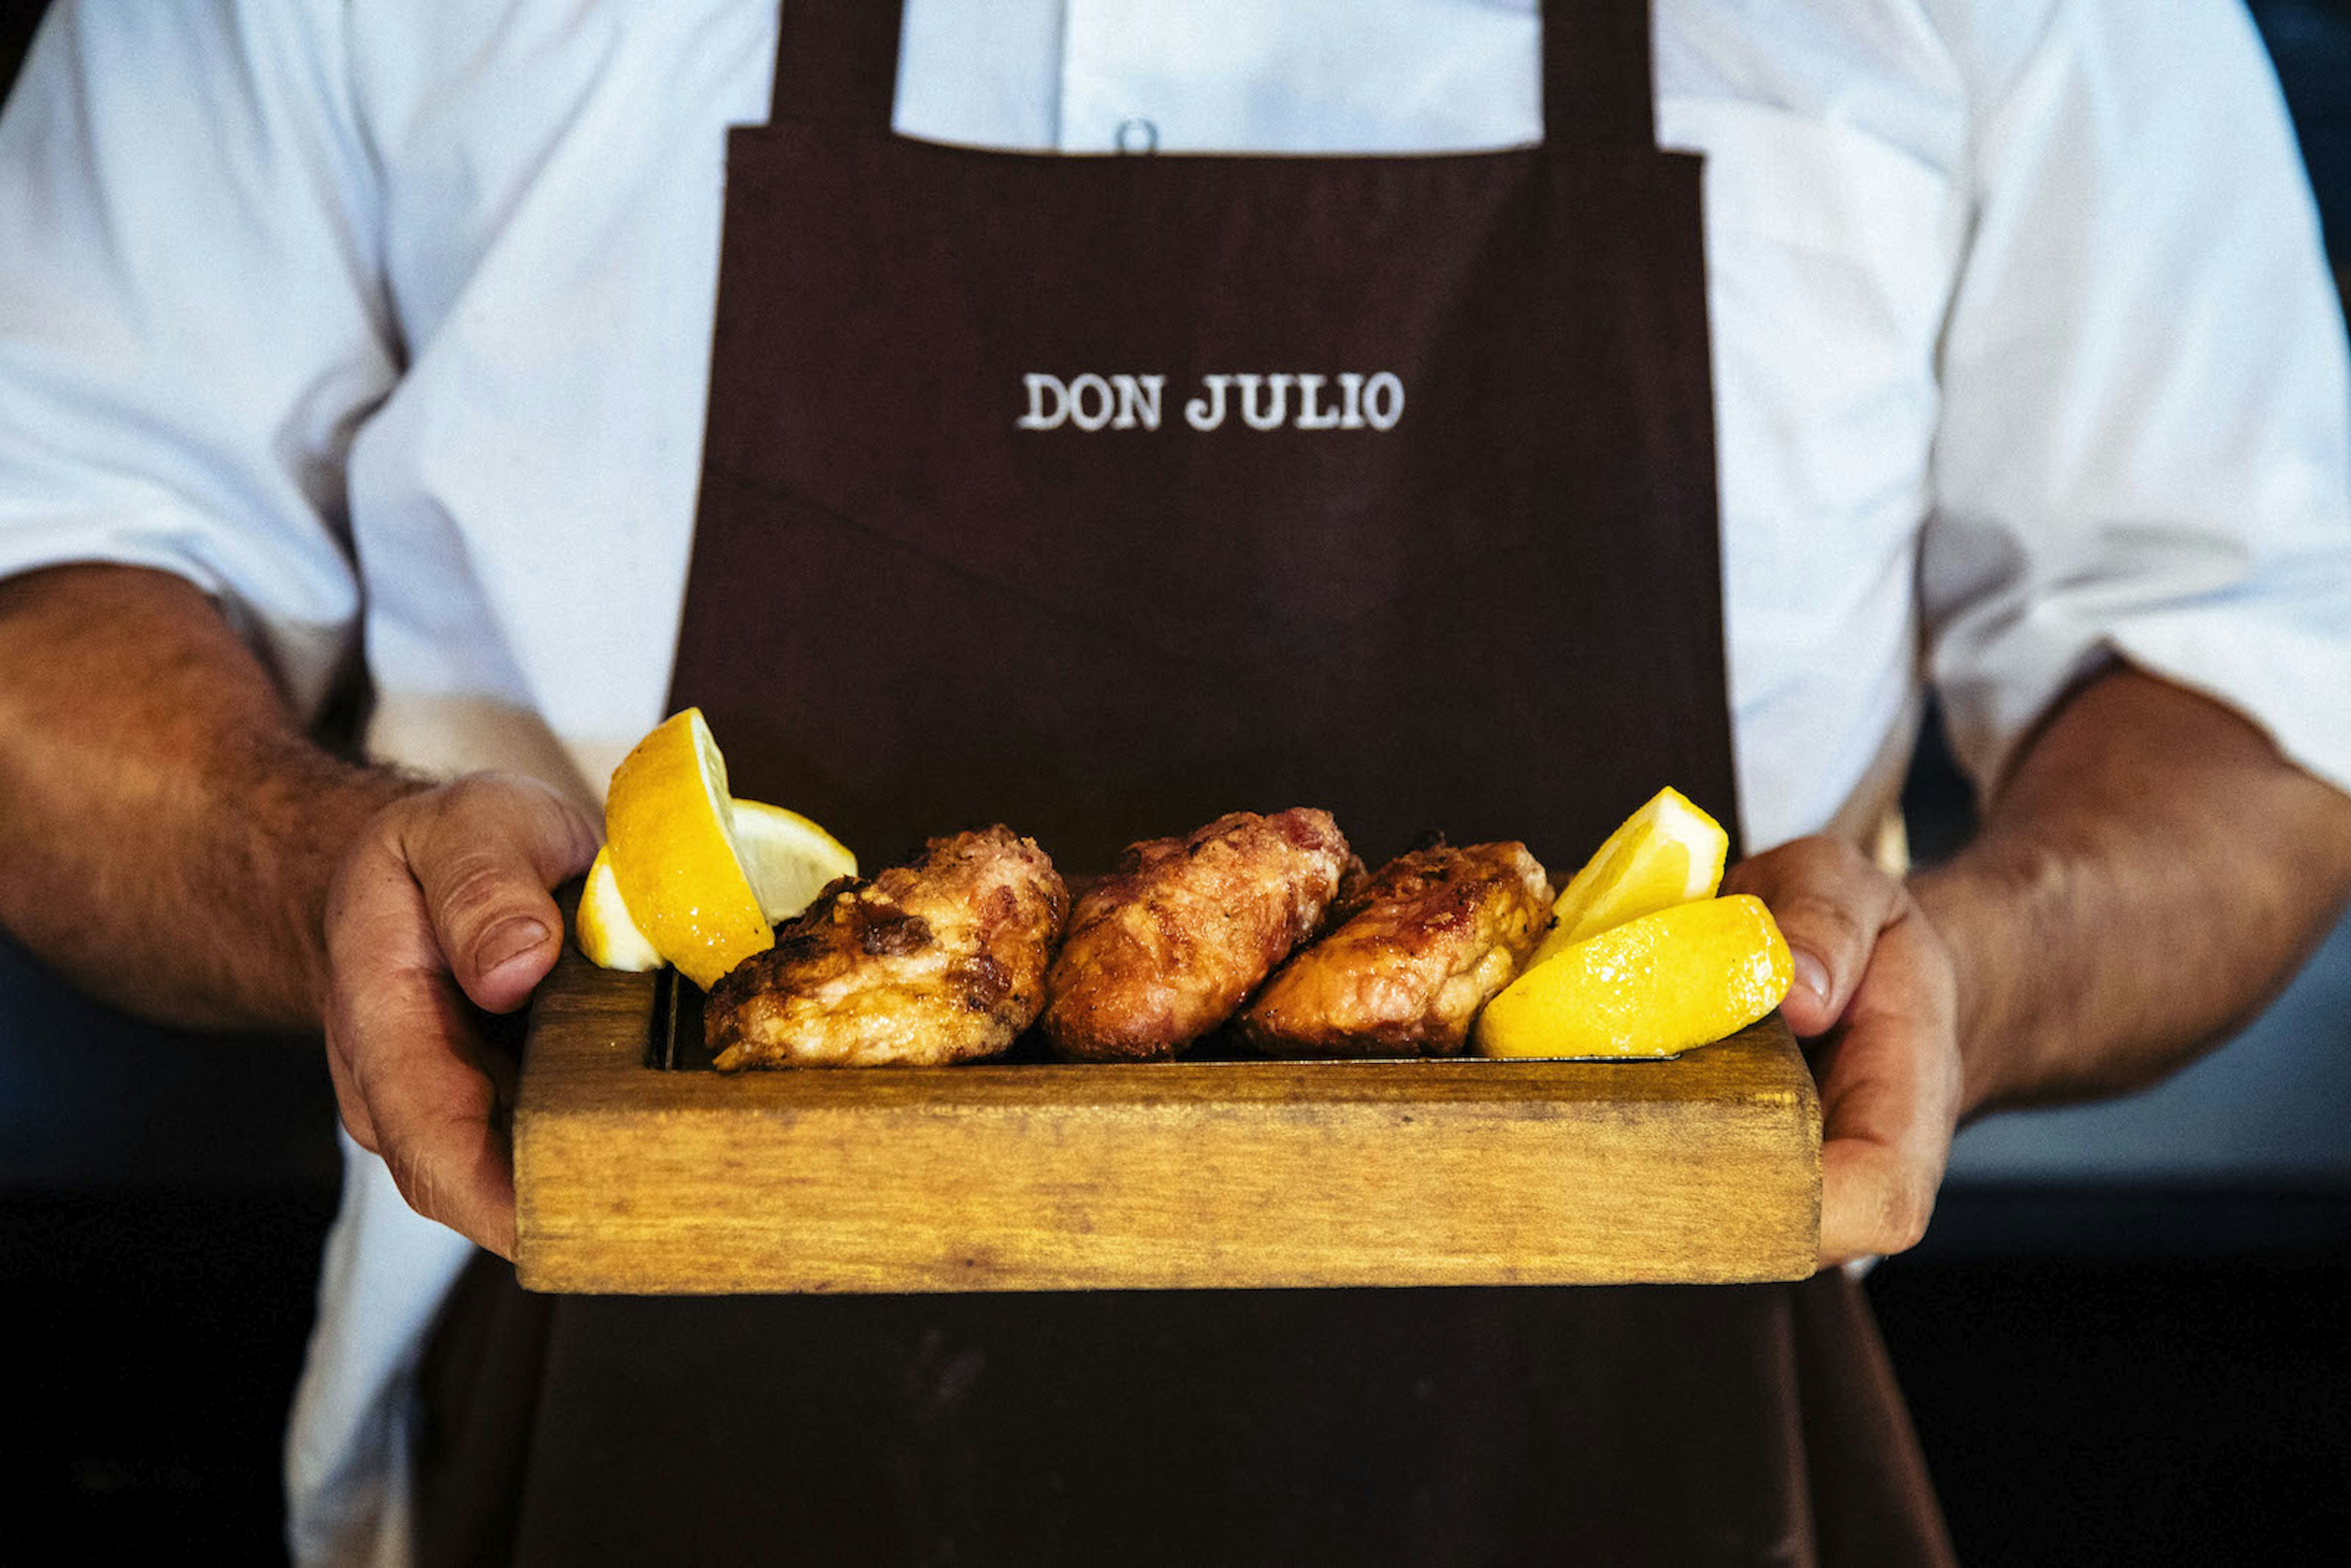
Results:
<point x="1812" y="975"/>
<point x="507" y="943"/>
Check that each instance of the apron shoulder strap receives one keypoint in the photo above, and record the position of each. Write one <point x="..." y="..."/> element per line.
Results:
<point x="837" y="63"/>
<point x="1596" y="84"/>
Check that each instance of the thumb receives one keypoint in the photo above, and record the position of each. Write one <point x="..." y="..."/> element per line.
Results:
<point x="485" y="856"/>
<point x="1831" y="904"/>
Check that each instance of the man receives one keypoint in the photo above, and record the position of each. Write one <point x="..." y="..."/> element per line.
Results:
<point x="336" y="325"/>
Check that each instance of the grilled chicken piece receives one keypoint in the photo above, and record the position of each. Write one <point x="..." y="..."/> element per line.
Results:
<point x="943" y="960"/>
<point x="1163" y="949"/>
<point x="1411" y="958"/>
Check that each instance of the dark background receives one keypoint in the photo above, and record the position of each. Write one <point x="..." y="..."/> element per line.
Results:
<point x="2116" y="1349"/>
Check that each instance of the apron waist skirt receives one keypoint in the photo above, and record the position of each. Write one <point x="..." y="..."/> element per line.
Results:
<point x="1630" y="1424"/>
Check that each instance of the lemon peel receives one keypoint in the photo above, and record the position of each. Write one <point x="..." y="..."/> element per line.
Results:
<point x="1655" y="986"/>
<point x="669" y="829"/>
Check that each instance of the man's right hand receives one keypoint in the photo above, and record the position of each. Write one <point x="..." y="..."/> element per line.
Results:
<point x="176" y="847"/>
<point x="443" y="902"/>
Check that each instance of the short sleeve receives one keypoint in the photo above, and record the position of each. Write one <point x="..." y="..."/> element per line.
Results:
<point x="2142" y="450"/>
<point x="190" y="324"/>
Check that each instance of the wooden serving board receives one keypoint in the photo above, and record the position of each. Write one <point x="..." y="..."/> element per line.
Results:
<point x="636" y="1179"/>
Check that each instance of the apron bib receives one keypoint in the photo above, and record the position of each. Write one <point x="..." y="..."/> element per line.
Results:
<point x="1103" y="496"/>
<point x="1099" y="497"/>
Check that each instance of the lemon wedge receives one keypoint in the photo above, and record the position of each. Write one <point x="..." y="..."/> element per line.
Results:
<point x="607" y="935"/>
<point x="669" y="826"/>
<point x="788" y="859"/>
<point x="1654" y="986"/>
<point x="1668" y="853"/>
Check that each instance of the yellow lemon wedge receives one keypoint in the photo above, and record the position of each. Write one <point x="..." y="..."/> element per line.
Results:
<point x="788" y="859"/>
<point x="1655" y="986"/>
<point x="607" y="935"/>
<point x="1668" y="853"/>
<point x="668" y="827"/>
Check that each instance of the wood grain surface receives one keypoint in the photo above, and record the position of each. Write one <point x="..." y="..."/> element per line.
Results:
<point x="1210" y="1174"/>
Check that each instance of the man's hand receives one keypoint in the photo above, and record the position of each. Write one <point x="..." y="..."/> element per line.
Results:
<point x="442" y="907"/>
<point x="173" y="841"/>
<point x="2145" y="880"/>
<point x="1875" y="996"/>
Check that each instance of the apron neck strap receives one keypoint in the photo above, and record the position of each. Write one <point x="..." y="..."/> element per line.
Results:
<point x="1596" y="84"/>
<point x="837" y="63"/>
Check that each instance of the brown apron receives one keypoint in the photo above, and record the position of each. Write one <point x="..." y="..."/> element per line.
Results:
<point x="1099" y="496"/>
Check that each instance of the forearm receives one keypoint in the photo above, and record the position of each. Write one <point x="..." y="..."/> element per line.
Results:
<point x="2148" y="877"/>
<point x="169" y="833"/>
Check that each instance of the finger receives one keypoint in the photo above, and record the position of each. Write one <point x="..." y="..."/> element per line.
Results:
<point x="434" y="1109"/>
<point x="485" y="854"/>
<point x="347" y="1103"/>
<point x="372" y="896"/>
<point x="1869" y="1206"/>
<point x="1830" y="903"/>
<point x="403" y="1058"/>
<point x="1889" y="1080"/>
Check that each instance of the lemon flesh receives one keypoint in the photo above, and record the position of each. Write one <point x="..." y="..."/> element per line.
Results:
<point x="789" y="858"/>
<point x="668" y="827"/>
<point x="607" y="935"/>
<point x="1654" y="986"/>
<point x="1668" y="853"/>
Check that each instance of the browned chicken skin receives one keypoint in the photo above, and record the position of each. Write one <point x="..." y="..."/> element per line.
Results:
<point x="940" y="961"/>
<point x="1163" y="950"/>
<point x="1411" y="956"/>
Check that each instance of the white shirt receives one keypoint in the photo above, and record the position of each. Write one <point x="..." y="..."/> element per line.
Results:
<point x="394" y="318"/>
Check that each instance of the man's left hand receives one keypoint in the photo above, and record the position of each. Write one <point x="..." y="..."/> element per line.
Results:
<point x="1876" y="1002"/>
